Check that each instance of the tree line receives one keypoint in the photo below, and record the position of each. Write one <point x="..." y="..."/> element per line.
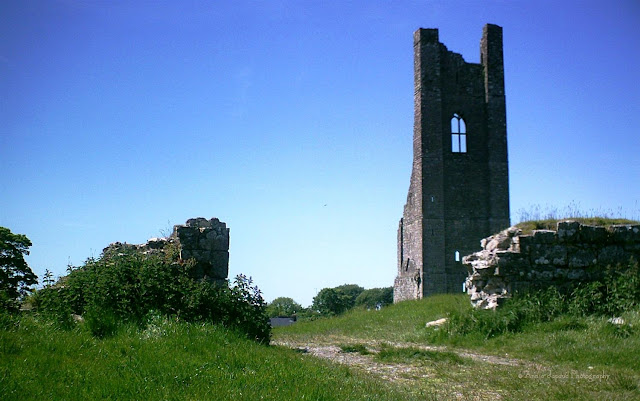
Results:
<point x="333" y="301"/>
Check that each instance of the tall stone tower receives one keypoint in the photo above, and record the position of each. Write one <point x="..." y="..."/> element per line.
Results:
<point x="459" y="191"/>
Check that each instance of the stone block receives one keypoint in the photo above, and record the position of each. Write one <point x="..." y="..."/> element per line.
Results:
<point x="582" y="258"/>
<point x="576" y="274"/>
<point x="544" y="236"/>
<point x="546" y="275"/>
<point x="624" y="233"/>
<point x="500" y="241"/>
<point x="218" y="241"/>
<point x="199" y="222"/>
<point x="542" y="260"/>
<point x="611" y="255"/>
<point x="560" y="273"/>
<point x="558" y="255"/>
<point x="186" y="235"/>
<point x="593" y="234"/>
<point x="219" y="265"/>
<point x="568" y="231"/>
<point x="525" y="242"/>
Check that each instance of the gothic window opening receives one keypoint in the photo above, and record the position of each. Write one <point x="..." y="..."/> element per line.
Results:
<point x="458" y="135"/>
<point x="457" y="256"/>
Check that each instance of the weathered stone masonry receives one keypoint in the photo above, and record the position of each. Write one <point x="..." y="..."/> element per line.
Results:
<point x="204" y="241"/>
<point x="459" y="189"/>
<point x="575" y="253"/>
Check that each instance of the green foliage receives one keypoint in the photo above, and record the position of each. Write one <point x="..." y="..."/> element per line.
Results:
<point x="375" y="298"/>
<point x="618" y="292"/>
<point x="359" y="348"/>
<point x="16" y="277"/>
<point x="101" y="323"/>
<point x="622" y="330"/>
<point x="126" y="287"/>
<point x="283" y="306"/>
<point x="335" y="301"/>
<point x="351" y="290"/>
<point x="389" y="353"/>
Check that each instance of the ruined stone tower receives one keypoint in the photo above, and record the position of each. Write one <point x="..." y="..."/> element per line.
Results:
<point x="459" y="191"/>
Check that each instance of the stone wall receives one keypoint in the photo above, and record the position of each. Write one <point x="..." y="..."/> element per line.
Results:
<point x="204" y="241"/>
<point x="574" y="253"/>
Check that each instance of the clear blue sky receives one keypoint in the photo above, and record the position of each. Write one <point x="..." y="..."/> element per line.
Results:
<point x="292" y="122"/>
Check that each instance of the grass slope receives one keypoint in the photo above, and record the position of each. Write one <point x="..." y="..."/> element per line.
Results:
<point x="568" y="358"/>
<point x="172" y="361"/>
<point x="399" y="322"/>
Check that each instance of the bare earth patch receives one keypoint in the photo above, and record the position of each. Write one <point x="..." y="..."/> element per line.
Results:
<point x="463" y="381"/>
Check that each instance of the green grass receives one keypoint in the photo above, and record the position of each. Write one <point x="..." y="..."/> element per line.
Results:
<point x="398" y="322"/>
<point x="527" y="227"/>
<point x="389" y="353"/>
<point x="569" y="357"/>
<point x="169" y="360"/>
<point x="359" y="348"/>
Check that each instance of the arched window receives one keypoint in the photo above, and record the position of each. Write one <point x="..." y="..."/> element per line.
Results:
<point x="457" y="256"/>
<point x="458" y="135"/>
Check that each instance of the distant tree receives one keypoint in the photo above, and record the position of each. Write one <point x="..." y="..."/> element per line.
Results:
<point x="352" y="291"/>
<point x="375" y="298"/>
<point x="283" y="306"/>
<point x="16" y="277"/>
<point x="334" y="301"/>
<point x="331" y="301"/>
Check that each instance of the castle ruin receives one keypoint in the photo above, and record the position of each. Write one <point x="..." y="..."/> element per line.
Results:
<point x="459" y="190"/>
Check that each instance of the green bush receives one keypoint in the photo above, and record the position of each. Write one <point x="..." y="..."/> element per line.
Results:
<point x="617" y="292"/>
<point x="101" y="323"/>
<point x="126" y="287"/>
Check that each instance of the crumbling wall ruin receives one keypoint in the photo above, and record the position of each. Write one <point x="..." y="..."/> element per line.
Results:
<point x="206" y="242"/>
<point x="574" y="253"/>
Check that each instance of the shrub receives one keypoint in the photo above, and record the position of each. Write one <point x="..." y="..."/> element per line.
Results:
<point x="617" y="292"/>
<point x="128" y="286"/>
<point x="101" y="323"/>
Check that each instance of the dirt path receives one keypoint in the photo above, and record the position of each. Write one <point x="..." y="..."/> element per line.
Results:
<point x="330" y="349"/>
